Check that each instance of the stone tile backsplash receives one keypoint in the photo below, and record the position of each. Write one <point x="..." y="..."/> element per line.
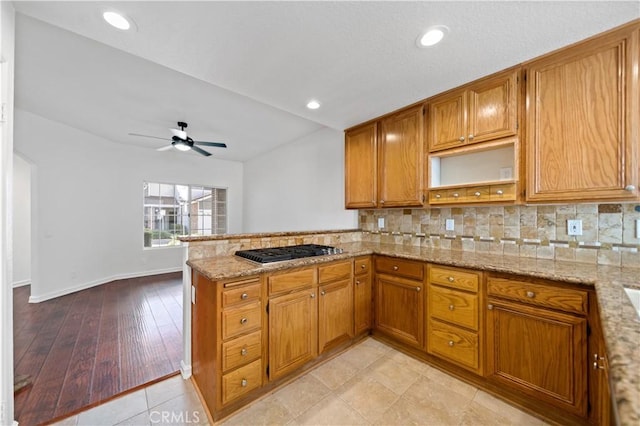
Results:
<point x="608" y="231"/>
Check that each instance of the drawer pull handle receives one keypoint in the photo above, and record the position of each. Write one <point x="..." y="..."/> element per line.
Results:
<point x="395" y="268"/>
<point x="451" y="307"/>
<point x="490" y="307"/>
<point x="418" y="288"/>
<point x="451" y="343"/>
<point x="451" y="279"/>
<point x="243" y="383"/>
<point x="499" y="192"/>
<point x="456" y="195"/>
<point x="243" y="321"/>
<point x="243" y="352"/>
<point x="531" y="294"/>
<point x="630" y="188"/>
<point x="438" y="195"/>
<point x="244" y="296"/>
<point x="477" y="193"/>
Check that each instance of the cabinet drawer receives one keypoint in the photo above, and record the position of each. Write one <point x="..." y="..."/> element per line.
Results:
<point x="454" y="278"/>
<point x="244" y="294"/>
<point x="362" y="265"/>
<point x="547" y="295"/>
<point x="454" y="344"/>
<point x="241" y="350"/>
<point x="292" y="280"/>
<point x="400" y="267"/>
<point x="241" y="320"/>
<point x="477" y="194"/>
<point x="458" y="195"/>
<point x="438" y="197"/>
<point x="506" y="192"/>
<point x="335" y="271"/>
<point x="454" y="306"/>
<point x="241" y="381"/>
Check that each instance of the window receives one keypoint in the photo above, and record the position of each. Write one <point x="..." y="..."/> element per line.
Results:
<point x="172" y="210"/>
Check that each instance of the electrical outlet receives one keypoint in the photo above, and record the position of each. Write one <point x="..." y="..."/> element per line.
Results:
<point x="637" y="228"/>
<point x="449" y="225"/>
<point x="381" y="223"/>
<point x="574" y="227"/>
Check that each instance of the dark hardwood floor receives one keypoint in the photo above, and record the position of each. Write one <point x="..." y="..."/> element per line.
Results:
<point x="87" y="347"/>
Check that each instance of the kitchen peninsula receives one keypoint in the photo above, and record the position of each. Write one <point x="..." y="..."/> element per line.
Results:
<point x="213" y="264"/>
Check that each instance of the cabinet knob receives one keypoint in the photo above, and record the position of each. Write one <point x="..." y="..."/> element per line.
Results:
<point x="381" y="201"/>
<point x="363" y="266"/>
<point x="597" y="366"/>
<point x="477" y="194"/>
<point x="313" y="295"/>
<point x="322" y="293"/>
<point x="357" y="282"/>
<point x="451" y="343"/>
<point x="418" y="288"/>
<point x="451" y="279"/>
<point x="243" y="321"/>
<point x="630" y="188"/>
<point x="243" y="383"/>
<point x="461" y="138"/>
<point x="499" y="192"/>
<point x="456" y="195"/>
<point x="243" y="352"/>
<point x="490" y="307"/>
<point x="531" y="294"/>
<point x="471" y="137"/>
<point x="244" y="296"/>
<point x="438" y="196"/>
<point x="395" y="268"/>
<point x="451" y="307"/>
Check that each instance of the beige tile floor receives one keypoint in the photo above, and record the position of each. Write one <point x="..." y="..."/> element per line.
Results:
<point x="370" y="384"/>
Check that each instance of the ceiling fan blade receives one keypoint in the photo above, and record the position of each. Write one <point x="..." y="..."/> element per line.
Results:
<point x="216" y="144"/>
<point x="200" y="151"/>
<point x="148" y="136"/>
<point x="181" y="134"/>
<point x="165" y="148"/>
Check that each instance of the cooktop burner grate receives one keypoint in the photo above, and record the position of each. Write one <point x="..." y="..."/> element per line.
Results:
<point x="278" y="254"/>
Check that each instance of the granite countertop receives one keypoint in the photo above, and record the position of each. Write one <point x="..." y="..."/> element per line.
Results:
<point x="620" y="321"/>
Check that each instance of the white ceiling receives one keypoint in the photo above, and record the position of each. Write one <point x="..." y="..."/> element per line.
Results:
<point x="242" y="72"/>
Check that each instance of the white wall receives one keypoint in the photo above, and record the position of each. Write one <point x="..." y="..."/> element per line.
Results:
<point x="21" y="222"/>
<point x="87" y="204"/>
<point x="298" y="187"/>
<point x="7" y="49"/>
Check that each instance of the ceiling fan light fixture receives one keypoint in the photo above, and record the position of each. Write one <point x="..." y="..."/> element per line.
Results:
<point x="181" y="146"/>
<point x="117" y="20"/>
<point x="432" y="36"/>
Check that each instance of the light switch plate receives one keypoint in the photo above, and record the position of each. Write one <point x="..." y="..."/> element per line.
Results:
<point x="380" y="222"/>
<point x="506" y="173"/>
<point x="574" y="227"/>
<point x="449" y="225"/>
<point x="637" y="228"/>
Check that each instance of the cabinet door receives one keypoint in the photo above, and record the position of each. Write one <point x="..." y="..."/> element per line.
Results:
<point x="360" y="162"/>
<point x="399" y="309"/>
<point x="540" y="352"/>
<point x="293" y="331"/>
<point x="447" y="121"/>
<point x="335" y="314"/>
<point x="362" y="303"/>
<point x="493" y="108"/>
<point x="401" y="158"/>
<point x="583" y="115"/>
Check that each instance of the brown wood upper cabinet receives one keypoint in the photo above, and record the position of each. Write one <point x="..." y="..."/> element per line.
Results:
<point x="583" y="116"/>
<point x="484" y="110"/>
<point x="361" y="167"/>
<point x="384" y="161"/>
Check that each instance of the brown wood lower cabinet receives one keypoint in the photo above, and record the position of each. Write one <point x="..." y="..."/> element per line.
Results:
<point x="539" y="351"/>
<point x="362" y="295"/>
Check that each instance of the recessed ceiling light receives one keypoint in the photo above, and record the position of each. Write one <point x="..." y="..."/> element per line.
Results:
<point x="116" y="20"/>
<point x="313" y="104"/>
<point x="433" y="36"/>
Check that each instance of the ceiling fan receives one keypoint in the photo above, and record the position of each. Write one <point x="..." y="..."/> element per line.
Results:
<point x="181" y="141"/>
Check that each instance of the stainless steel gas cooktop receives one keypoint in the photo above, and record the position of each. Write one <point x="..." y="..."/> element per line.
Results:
<point x="278" y="254"/>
